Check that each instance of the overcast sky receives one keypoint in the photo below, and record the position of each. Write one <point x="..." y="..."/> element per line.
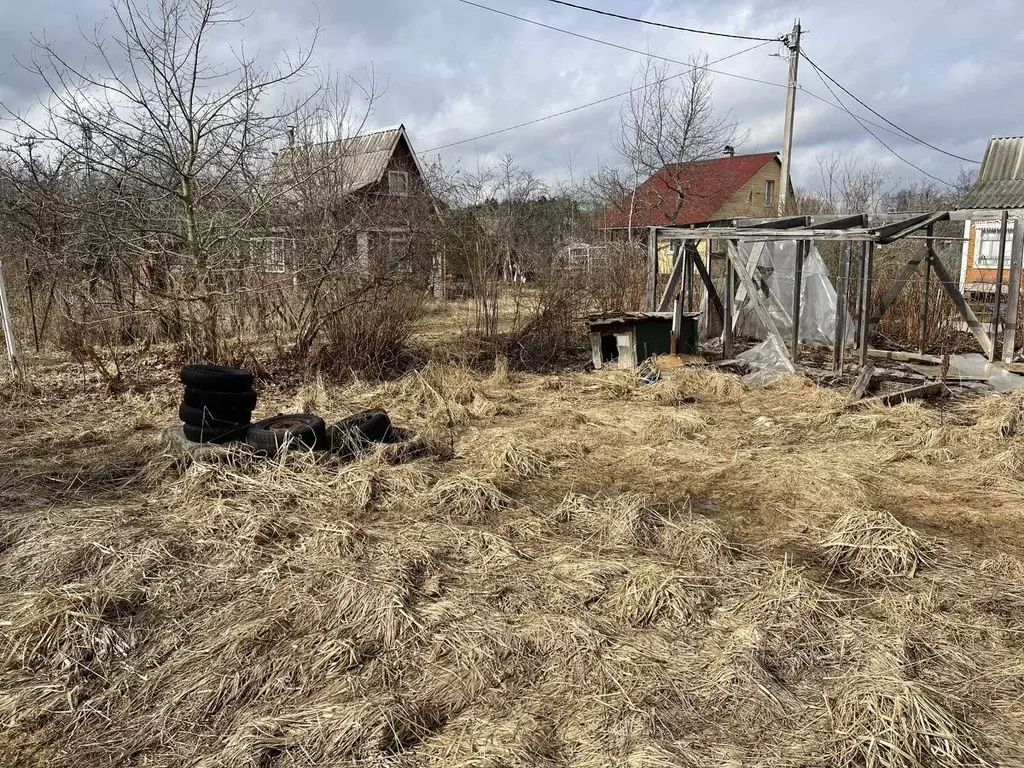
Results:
<point x="950" y="72"/>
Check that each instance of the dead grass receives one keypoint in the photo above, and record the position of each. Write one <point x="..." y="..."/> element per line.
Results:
<point x="587" y="571"/>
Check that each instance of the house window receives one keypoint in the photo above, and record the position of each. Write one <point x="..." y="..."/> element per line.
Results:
<point x="398" y="251"/>
<point x="270" y="253"/>
<point x="769" y="192"/>
<point x="986" y="251"/>
<point x="398" y="183"/>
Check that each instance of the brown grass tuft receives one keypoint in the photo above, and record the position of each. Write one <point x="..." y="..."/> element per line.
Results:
<point x="871" y="544"/>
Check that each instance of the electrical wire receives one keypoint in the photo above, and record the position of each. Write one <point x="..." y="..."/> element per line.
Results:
<point x="825" y="75"/>
<point x="626" y="48"/>
<point x="663" y="25"/>
<point x="875" y="135"/>
<point x="592" y="103"/>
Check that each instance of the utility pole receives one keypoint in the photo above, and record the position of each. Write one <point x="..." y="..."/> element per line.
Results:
<point x="793" y="43"/>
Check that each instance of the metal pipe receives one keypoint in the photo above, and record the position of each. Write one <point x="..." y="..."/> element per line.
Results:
<point x="1000" y="265"/>
<point x="930" y="246"/>
<point x="798" y="278"/>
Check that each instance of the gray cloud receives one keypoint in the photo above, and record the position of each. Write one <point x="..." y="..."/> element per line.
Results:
<point x="453" y="71"/>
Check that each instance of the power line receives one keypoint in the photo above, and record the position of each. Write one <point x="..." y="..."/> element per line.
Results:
<point x="663" y="25"/>
<point x="589" y="103"/>
<point x="823" y="74"/>
<point x="873" y="134"/>
<point x="626" y="48"/>
<point x="599" y="41"/>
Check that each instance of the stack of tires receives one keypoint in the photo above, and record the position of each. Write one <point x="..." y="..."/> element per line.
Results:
<point x="218" y="403"/>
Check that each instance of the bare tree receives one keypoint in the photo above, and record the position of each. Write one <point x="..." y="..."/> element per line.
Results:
<point x="172" y="146"/>
<point x="668" y="121"/>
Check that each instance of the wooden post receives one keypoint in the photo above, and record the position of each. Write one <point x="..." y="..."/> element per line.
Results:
<point x="730" y="291"/>
<point x="671" y="288"/>
<point x="688" y="285"/>
<point x="677" y="323"/>
<point x="930" y="245"/>
<point x="798" y="279"/>
<point x="866" y="266"/>
<point x="652" y="269"/>
<point x="842" y="294"/>
<point x="8" y="324"/>
<point x="1000" y="265"/>
<point x="1013" y="292"/>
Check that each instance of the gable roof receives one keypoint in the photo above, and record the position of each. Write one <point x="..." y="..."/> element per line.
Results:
<point x="1000" y="181"/>
<point x="359" y="161"/>
<point x="707" y="185"/>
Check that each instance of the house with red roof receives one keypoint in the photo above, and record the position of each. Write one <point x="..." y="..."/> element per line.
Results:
<point x="725" y="187"/>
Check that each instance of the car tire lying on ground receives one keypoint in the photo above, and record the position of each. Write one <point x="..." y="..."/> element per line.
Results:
<point x="205" y="434"/>
<point x="206" y="417"/>
<point x="220" y="378"/>
<point x="353" y="435"/>
<point x="270" y="435"/>
<point x="220" y="402"/>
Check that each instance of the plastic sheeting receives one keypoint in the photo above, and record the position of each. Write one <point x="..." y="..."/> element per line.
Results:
<point x="777" y="260"/>
<point x="769" y="361"/>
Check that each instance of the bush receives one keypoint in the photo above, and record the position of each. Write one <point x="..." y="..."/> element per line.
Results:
<point x="368" y="335"/>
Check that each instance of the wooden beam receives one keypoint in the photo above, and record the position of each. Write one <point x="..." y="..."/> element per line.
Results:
<point x="838" y="222"/>
<point x="673" y="279"/>
<point x="798" y="280"/>
<point x="891" y="232"/>
<point x="866" y="268"/>
<point x="922" y="392"/>
<point x="926" y="295"/>
<point x="1013" y="292"/>
<point x="709" y="284"/>
<point x="842" y="297"/>
<point x="961" y="304"/>
<point x="785" y="222"/>
<point x="753" y="296"/>
<point x="651" y="286"/>
<point x="905" y="357"/>
<point x="1004" y="222"/>
<point x="730" y="291"/>
<point x="897" y="285"/>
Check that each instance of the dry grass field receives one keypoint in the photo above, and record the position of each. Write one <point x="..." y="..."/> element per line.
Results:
<point x="586" y="571"/>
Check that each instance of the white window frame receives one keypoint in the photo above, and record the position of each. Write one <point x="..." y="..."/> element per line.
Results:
<point x="398" y="183"/>
<point x="987" y="233"/>
<point x="270" y="253"/>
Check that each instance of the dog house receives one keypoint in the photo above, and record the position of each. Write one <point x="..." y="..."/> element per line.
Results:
<point x="626" y="339"/>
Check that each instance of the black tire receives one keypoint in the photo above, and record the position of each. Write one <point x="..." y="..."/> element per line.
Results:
<point x="270" y="435"/>
<point x="201" y="434"/>
<point x="220" y="402"/>
<point x="373" y="426"/>
<point x="221" y="378"/>
<point x="205" y="417"/>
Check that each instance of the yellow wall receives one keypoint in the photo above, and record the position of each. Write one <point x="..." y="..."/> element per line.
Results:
<point x="749" y="199"/>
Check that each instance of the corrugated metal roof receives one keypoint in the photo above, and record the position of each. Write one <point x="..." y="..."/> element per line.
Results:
<point x="358" y="161"/>
<point x="1001" y="177"/>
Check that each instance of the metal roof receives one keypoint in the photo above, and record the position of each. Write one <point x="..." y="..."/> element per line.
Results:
<point x="1001" y="177"/>
<point x="358" y="161"/>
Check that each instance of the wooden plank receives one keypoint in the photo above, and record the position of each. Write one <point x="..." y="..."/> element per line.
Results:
<point x="961" y="304"/>
<point x="860" y="386"/>
<point x="926" y="295"/>
<point x="922" y="392"/>
<point x="730" y="292"/>
<point x="1013" y="292"/>
<point x="864" y="325"/>
<point x="905" y="357"/>
<point x="785" y="222"/>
